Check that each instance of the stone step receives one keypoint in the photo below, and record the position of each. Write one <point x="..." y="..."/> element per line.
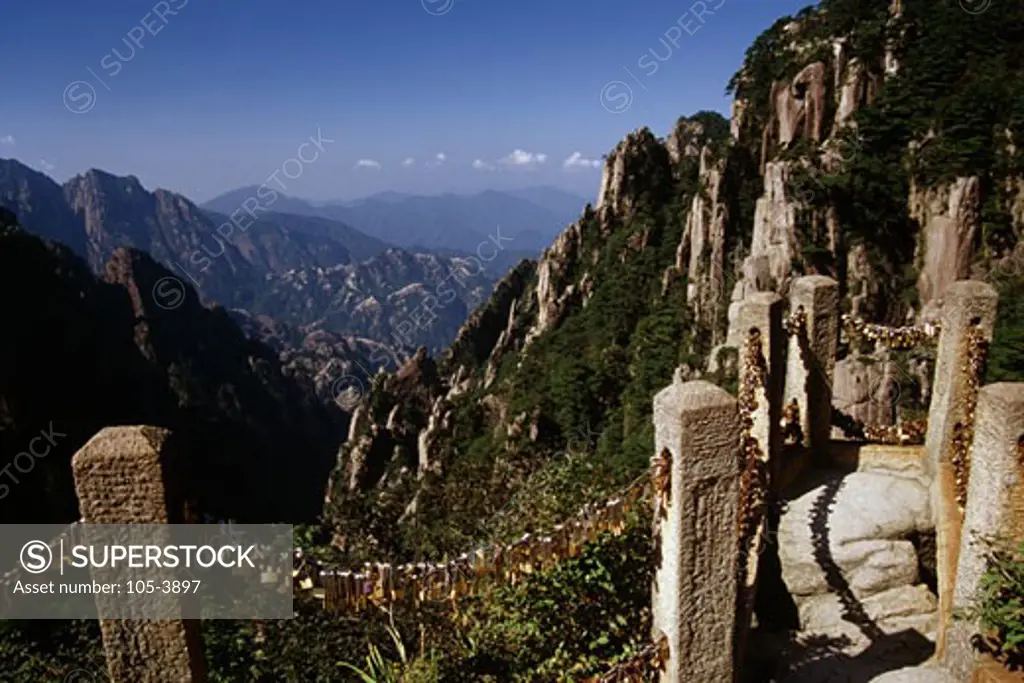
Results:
<point x="848" y="530"/>
<point x="847" y="563"/>
<point x="891" y="611"/>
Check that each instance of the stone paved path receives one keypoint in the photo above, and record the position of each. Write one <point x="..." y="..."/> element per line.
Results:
<point x="845" y="558"/>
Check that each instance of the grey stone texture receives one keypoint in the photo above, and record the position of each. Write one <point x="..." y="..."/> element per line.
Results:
<point x="995" y="506"/>
<point x="695" y="587"/>
<point x="810" y="368"/>
<point x="931" y="673"/>
<point x="132" y="475"/>
<point x="865" y="518"/>
<point x="965" y="301"/>
<point x="964" y="304"/>
<point x="764" y="311"/>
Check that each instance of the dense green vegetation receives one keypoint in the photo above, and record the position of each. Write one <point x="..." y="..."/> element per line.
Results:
<point x="577" y="619"/>
<point x="589" y="381"/>
<point x="1006" y="353"/>
<point x="944" y="114"/>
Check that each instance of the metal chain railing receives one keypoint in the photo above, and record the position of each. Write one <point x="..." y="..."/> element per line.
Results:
<point x="383" y="583"/>
<point x="753" y="483"/>
<point x="794" y="325"/>
<point x="906" y="433"/>
<point x="963" y="431"/>
<point x="895" y="338"/>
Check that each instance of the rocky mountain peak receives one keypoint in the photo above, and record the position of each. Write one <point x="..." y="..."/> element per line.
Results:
<point x="628" y="170"/>
<point x="150" y="289"/>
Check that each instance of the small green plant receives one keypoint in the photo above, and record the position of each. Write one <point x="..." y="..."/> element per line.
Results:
<point x="999" y="605"/>
<point x="379" y="668"/>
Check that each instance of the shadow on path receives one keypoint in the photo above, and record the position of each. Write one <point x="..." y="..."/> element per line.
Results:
<point x="782" y="654"/>
<point x="853" y="609"/>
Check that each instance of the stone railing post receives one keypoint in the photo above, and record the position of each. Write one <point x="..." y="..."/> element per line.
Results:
<point x="133" y="475"/>
<point x="811" y="360"/>
<point x="760" y="313"/>
<point x="763" y="311"/>
<point x="695" y="587"/>
<point x="995" y="506"/>
<point x="966" y="304"/>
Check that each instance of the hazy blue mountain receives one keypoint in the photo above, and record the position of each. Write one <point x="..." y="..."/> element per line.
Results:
<point x="553" y="199"/>
<point x="309" y="271"/>
<point x="533" y="217"/>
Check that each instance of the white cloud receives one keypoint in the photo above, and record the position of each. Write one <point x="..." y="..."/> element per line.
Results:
<point x="521" y="157"/>
<point x="408" y="161"/>
<point x="481" y="165"/>
<point x="577" y="160"/>
<point x="368" y="163"/>
<point x="7" y="141"/>
<point x="46" y="166"/>
<point x="441" y="157"/>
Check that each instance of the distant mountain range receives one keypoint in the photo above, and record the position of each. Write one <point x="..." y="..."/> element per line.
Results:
<point x="309" y="271"/>
<point x="532" y="216"/>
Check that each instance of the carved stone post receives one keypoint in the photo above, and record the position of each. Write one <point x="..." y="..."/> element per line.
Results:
<point x="695" y="586"/>
<point x="995" y="506"/>
<point x="811" y="359"/>
<point x="760" y="376"/>
<point x="133" y="475"/>
<point x="967" y="304"/>
<point x="763" y="311"/>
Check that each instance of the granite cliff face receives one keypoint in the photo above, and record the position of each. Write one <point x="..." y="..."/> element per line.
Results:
<point x="84" y="353"/>
<point x="409" y="439"/>
<point x="843" y="157"/>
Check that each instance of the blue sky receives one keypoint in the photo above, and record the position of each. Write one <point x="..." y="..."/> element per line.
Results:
<point x="203" y="96"/>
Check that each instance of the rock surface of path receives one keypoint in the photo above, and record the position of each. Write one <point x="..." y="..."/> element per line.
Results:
<point x="853" y="572"/>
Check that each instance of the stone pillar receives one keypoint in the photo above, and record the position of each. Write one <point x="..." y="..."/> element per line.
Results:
<point x="810" y="361"/>
<point x="995" y="506"/>
<point x="695" y="587"/>
<point x="966" y="303"/>
<point x="763" y="311"/>
<point x="134" y="475"/>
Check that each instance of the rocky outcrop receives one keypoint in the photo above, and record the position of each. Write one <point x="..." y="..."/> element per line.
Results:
<point x="950" y="220"/>
<point x="867" y="517"/>
<point x="867" y="389"/>
<point x="856" y="85"/>
<point x="737" y="118"/>
<point x="492" y="330"/>
<point x="1015" y="192"/>
<point x="849" y="564"/>
<point x="685" y="140"/>
<point x="862" y="283"/>
<point x="701" y="254"/>
<point x="775" y="218"/>
<point x="628" y="172"/>
<point x="556" y="288"/>
<point x="391" y="430"/>
<point x="797" y="109"/>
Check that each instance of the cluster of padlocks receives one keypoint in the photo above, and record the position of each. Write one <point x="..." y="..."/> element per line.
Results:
<point x="383" y="583"/>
